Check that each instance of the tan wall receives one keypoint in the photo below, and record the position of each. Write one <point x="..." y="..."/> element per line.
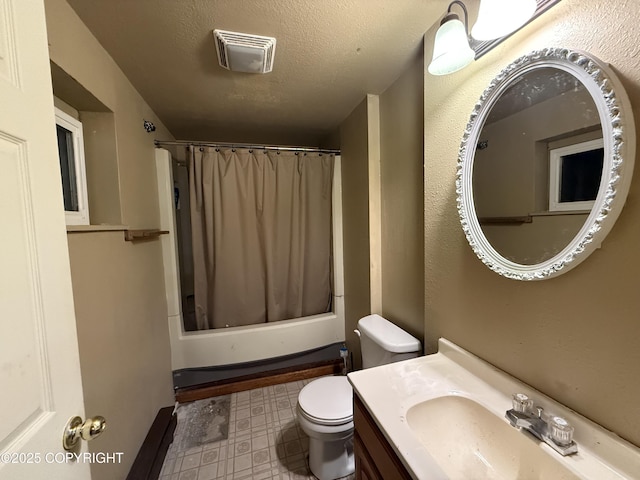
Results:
<point x="100" y="147"/>
<point x="401" y="135"/>
<point x="576" y="337"/>
<point x="66" y="108"/>
<point x="73" y="48"/>
<point x="118" y="287"/>
<point x="123" y="339"/>
<point x="381" y="144"/>
<point x="355" y="218"/>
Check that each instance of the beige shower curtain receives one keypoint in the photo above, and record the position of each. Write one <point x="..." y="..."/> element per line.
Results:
<point x="261" y="228"/>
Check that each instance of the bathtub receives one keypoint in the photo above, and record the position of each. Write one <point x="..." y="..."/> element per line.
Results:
<point x="205" y="348"/>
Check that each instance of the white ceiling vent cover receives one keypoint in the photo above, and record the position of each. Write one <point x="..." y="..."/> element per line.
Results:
<point x="242" y="52"/>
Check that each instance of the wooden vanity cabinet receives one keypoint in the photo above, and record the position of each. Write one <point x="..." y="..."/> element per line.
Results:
<point x="375" y="459"/>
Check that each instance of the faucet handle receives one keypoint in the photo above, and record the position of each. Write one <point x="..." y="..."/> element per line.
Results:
<point x="521" y="403"/>
<point x="560" y="431"/>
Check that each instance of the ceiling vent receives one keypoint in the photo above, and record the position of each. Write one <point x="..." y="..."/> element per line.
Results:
<point x="241" y="52"/>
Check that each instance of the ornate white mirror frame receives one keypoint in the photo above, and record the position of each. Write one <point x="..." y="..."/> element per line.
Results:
<point x="618" y="131"/>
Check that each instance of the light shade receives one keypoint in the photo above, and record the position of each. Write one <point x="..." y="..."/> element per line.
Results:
<point x="498" y="18"/>
<point x="451" y="50"/>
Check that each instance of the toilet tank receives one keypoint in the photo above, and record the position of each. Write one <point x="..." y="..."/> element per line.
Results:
<point x="383" y="342"/>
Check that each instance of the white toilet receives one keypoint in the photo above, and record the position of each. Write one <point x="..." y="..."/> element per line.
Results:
<point x="325" y="405"/>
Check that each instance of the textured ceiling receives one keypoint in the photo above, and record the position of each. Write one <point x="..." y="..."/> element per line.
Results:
<point x="329" y="55"/>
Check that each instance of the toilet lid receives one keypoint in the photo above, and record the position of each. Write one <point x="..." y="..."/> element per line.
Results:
<point x="328" y="400"/>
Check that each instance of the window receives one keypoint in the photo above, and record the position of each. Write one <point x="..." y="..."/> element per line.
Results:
<point x="574" y="175"/>
<point x="72" y="168"/>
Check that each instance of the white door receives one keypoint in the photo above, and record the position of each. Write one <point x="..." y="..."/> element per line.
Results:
<point x="40" y="386"/>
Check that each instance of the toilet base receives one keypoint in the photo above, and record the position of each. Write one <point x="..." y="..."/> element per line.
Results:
<point x="331" y="460"/>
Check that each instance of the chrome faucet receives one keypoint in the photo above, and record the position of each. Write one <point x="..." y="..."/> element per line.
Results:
<point x="553" y="430"/>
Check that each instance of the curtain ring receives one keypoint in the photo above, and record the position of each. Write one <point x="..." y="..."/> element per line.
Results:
<point x="233" y="150"/>
<point x="202" y="149"/>
<point x="217" y="149"/>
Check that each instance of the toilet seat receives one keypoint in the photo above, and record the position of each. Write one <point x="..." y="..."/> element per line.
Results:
<point x="327" y="401"/>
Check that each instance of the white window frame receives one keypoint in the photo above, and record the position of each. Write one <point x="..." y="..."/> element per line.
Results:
<point x="555" y="164"/>
<point x="81" y="217"/>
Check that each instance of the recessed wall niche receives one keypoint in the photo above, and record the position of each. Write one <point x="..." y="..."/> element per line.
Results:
<point x="101" y="155"/>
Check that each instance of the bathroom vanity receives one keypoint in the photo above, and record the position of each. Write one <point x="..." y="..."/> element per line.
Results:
<point x="444" y="416"/>
<point x="375" y="458"/>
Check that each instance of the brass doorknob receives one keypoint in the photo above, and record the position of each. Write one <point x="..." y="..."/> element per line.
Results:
<point x="76" y="429"/>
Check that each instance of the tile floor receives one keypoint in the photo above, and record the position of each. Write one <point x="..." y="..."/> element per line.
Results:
<point x="264" y="441"/>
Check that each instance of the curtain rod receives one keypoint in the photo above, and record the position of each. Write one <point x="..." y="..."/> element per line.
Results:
<point x="159" y="143"/>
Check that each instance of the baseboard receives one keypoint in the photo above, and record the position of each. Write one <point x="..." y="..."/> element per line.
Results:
<point x="189" y="378"/>
<point x="148" y="462"/>
<point x="265" y="379"/>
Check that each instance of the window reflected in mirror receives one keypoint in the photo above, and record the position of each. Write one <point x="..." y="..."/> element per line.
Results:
<point x="574" y="175"/>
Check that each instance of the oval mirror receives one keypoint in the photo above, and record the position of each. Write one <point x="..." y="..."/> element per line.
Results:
<point x="545" y="164"/>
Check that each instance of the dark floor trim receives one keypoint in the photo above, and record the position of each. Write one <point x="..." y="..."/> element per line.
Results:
<point x="264" y="379"/>
<point x="148" y="462"/>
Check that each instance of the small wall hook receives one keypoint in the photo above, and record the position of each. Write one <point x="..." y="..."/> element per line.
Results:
<point x="149" y="127"/>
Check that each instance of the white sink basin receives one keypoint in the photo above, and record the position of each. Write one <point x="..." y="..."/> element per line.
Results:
<point x="468" y="441"/>
<point x="443" y="414"/>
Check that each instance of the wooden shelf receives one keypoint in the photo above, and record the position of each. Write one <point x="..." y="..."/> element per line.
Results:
<point x="519" y="220"/>
<point x="95" y="228"/>
<point x="505" y="220"/>
<point x="143" y="234"/>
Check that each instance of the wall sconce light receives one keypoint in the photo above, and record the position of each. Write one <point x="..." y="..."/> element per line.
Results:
<point x="496" y="20"/>
<point x="451" y="50"/>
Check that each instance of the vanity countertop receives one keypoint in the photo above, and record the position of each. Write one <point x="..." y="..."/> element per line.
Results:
<point x="389" y="391"/>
